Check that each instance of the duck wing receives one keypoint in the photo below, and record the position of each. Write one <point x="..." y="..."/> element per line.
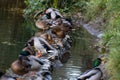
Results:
<point x="38" y="45"/>
<point x="94" y="74"/>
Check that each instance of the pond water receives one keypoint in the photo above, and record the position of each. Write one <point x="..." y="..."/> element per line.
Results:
<point x="82" y="54"/>
<point x="16" y="30"/>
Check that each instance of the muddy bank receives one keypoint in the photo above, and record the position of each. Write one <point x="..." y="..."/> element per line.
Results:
<point x="95" y="27"/>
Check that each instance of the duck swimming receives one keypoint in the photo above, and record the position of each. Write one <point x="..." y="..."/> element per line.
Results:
<point x="93" y="74"/>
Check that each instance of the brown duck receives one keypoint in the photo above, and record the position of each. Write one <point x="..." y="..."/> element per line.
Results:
<point x="41" y="24"/>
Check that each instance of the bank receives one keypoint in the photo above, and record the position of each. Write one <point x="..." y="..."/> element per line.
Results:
<point x="101" y="19"/>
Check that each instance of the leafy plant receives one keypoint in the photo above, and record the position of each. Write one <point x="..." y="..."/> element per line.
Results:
<point x="63" y="5"/>
<point x="33" y="6"/>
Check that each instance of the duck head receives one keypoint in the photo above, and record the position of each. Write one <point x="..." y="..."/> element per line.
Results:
<point x="18" y="68"/>
<point x="28" y="50"/>
<point x="48" y="10"/>
<point x="97" y="62"/>
<point x="25" y="53"/>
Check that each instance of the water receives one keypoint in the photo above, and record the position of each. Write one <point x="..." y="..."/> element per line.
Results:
<point x="81" y="59"/>
<point x="15" y="31"/>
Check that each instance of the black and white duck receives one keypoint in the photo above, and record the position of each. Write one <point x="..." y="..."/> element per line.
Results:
<point x="93" y="74"/>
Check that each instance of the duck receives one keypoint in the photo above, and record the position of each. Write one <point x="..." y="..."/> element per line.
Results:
<point x="93" y="74"/>
<point x="7" y="77"/>
<point x="43" y="43"/>
<point x="35" y="63"/>
<point x="42" y="24"/>
<point x="58" y="41"/>
<point x="26" y="63"/>
<point x="52" y="13"/>
<point x="45" y="74"/>
<point x="58" y="32"/>
<point x="56" y="22"/>
<point x="46" y="36"/>
<point x="21" y="65"/>
<point x="18" y="68"/>
<point x="65" y="27"/>
<point x="39" y="46"/>
<point x="67" y="23"/>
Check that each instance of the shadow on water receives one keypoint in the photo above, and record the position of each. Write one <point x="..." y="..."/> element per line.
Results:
<point x="15" y="31"/>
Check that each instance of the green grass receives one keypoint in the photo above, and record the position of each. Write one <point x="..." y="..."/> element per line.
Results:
<point x="94" y="8"/>
<point x="108" y="10"/>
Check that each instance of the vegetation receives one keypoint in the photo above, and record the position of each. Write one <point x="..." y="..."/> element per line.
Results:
<point x="94" y="8"/>
<point x="108" y="10"/>
<point x="34" y="6"/>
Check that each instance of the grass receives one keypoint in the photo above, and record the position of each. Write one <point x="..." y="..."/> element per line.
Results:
<point x="109" y="10"/>
<point x="94" y="8"/>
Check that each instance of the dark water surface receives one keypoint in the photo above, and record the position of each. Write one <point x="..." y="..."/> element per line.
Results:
<point x="13" y="35"/>
<point x="15" y="31"/>
<point x="81" y="59"/>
